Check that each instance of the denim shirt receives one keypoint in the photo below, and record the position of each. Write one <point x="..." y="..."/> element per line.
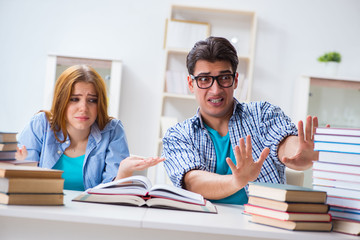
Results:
<point x="104" y="151"/>
<point x="188" y="145"/>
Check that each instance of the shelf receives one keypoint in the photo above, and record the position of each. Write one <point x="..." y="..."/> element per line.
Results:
<point x="238" y="26"/>
<point x="180" y="96"/>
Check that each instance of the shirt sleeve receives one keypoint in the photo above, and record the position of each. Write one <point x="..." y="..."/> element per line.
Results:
<point x="180" y="154"/>
<point x="275" y="126"/>
<point x="32" y="136"/>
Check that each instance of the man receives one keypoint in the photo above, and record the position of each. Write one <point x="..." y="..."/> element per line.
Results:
<point x="227" y="143"/>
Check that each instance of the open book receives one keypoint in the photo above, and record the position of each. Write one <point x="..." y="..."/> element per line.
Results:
<point x="138" y="191"/>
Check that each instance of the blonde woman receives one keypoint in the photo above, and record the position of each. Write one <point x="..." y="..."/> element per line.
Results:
<point x="78" y="136"/>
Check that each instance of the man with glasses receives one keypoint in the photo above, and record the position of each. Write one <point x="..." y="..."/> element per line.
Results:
<point x="228" y="143"/>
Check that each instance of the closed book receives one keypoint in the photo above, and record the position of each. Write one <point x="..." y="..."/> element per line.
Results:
<point x="292" y="225"/>
<point x="336" y="175"/>
<point x="7" y="155"/>
<point x="343" y="158"/>
<point x="8" y="146"/>
<point x="32" y="198"/>
<point x="337" y="138"/>
<point x="285" y="192"/>
<point x="337" y="147"/>
<point x="289" y="206"/>
<point x="31" y="185"/>
<point x="343" y="202"/>
<point x="337" y="183"/>
<point x="14" y="171"/>
<point x="345" y="213"/>
<point x="8" y="137"/>
<point x="333" y="167"/>
<point x="339" y="192"/>
<point x="338" y="131"/>
<point x="19" y="162"/>
<point x="346" y="226"/>
<point x="282" y="215"/>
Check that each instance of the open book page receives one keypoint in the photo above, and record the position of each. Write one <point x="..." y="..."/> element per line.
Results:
<point x="172" y="192"/>
<point x="134" y="185"/>
<point x="141" y="186"/>
<point x="111" y="199"/>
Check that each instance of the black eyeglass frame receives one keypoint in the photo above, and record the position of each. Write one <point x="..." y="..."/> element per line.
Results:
<point x="213" y="80"/>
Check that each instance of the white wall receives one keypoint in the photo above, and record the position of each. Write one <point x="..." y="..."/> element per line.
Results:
<point x="291" y="35"/>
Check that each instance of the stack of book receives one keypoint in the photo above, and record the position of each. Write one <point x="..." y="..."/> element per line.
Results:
<point x="338" y="173"/>
<point x="8" y="146"/>
<point x="288" y="207"/>
<point x="27" y="185"/>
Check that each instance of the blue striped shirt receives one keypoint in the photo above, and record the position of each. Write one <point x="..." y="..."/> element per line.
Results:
<point x="188" y="145"/>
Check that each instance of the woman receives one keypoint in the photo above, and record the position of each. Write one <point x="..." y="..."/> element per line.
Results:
<point x="77" y="135"/>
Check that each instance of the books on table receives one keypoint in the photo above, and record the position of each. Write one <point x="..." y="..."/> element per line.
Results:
<point x="346" y="226"/>
<point x="284" y="192"/>
<point x="27" y="185"/>
<point x="6" y="137"/>
<point x="288" y="207"/>
<point x="338" y="173"/>
<point x="8" y="146"/>
<point x="293" y="225"/>
<point x="138" y="191"/>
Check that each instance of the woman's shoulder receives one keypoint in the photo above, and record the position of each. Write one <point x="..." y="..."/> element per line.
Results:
<point x="113" y="125"/>
<point x="40" y="120"/>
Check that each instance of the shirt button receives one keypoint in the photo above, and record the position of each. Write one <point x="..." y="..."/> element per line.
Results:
<point x="67" y="142"/>
<point x="59" y="152"/>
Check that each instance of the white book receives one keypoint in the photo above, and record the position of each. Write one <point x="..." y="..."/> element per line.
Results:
<point x="339" y="192"/>
<point x="337" y="138"/>
<point x="337" y="183"/>
<point x="338" y="131"/>
<point x="333" y="167"/>
<point x="336" y="157"/>
<point x="337" y="147"/>
<point x="343" y="202"/>
<point x="336" y="176"/>
<point x="352" y="214"/>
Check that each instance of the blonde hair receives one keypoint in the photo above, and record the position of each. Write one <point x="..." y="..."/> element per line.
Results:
<point x="62" y="93"/>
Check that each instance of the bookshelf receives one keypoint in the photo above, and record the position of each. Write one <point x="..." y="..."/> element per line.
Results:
<point x="191" y="24"/>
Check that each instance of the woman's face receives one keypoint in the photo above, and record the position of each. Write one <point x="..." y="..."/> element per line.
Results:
<point x="81" y="110"/>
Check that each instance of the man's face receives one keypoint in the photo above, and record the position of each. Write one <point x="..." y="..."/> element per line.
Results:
<point x="216" y="101"/>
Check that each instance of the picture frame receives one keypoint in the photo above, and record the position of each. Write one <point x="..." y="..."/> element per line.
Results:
<point x="109" y="70"/>
<point x="183" y="34"/>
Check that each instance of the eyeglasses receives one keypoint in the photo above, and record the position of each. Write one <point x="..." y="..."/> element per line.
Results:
<point x="224" y="81"/>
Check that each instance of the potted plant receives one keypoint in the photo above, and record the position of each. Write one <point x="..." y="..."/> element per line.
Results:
<point x="331" y="61"/>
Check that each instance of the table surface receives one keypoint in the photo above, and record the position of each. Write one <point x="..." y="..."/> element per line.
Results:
<point x="229" y="222"/>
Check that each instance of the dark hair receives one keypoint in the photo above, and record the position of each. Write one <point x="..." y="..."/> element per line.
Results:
<point x="212" y="49"/>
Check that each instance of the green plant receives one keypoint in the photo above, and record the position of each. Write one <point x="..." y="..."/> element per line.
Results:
<point x="330" y="57"/>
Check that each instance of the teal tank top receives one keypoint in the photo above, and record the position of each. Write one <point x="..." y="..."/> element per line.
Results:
<point x="223" y="150"/>
<point x="73" y="172"/>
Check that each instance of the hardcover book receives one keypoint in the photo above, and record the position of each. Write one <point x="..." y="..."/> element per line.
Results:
<point x="289" y="206"/>
<point x="32" y="198"/>
<point x="285" y="192"/>
<point x="292" y="225"/>
<point x="346" y="226"/>
<point x="291" y="216"/>
<point x="8" y="137"/>
<point x="14" y="171"/>
<point x="31" y="185"/>
<point x="138" y="191"/>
